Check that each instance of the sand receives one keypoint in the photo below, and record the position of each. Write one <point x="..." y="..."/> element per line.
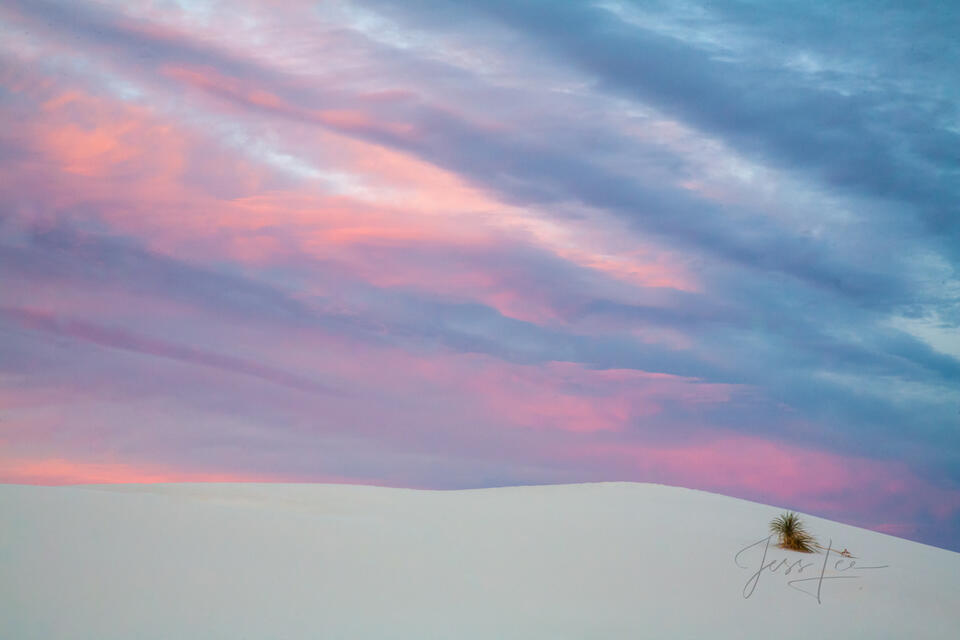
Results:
<point x="585" y="561"/>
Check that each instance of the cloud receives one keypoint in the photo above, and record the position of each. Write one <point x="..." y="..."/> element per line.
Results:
<point x="119" y="339"/>
<point x="841" y="135"/>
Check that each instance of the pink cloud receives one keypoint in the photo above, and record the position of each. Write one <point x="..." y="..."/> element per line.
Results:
<point x="759" y="468"/>
<point x="571" y="397"/>
<point x="234" y="90"/>
<point x="133" y="162"/>
<point x="554" y="396"/>
<point x="59" y="471"/>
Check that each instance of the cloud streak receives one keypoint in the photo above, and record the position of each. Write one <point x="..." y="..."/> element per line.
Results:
<point x="127" y="341"/>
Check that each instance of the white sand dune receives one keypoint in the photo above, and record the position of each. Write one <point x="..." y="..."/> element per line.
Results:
<point x="589" y="561"/>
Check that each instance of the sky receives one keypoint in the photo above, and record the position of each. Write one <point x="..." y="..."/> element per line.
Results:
<point x="445" y="244"/>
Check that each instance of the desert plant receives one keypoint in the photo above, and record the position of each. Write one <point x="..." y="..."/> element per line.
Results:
<point x="791" y="533"/>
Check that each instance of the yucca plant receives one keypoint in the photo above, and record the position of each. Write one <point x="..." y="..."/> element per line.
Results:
<point x="791" y="533"/>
